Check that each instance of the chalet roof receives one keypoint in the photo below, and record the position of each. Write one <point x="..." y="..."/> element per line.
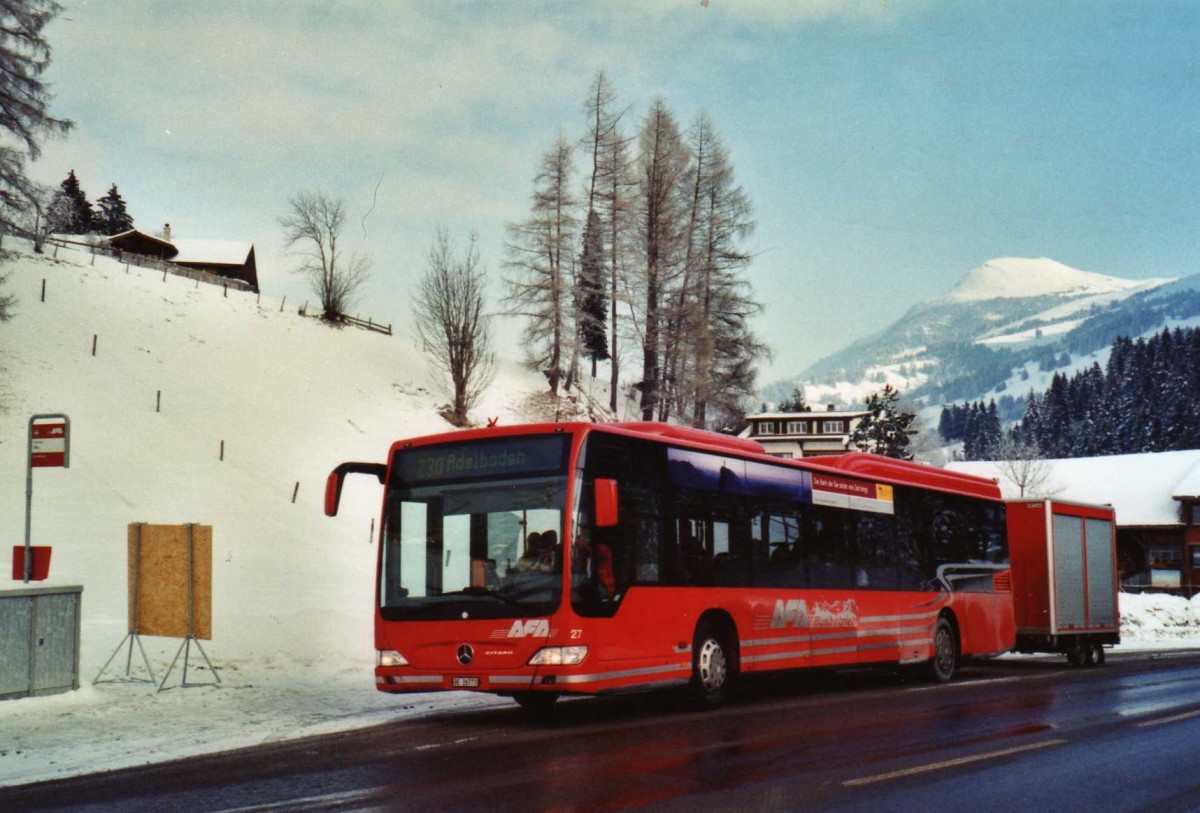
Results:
<point x="1143" y="488"/>
<point x="215" y="252"/>
<point x="138" y="233"/>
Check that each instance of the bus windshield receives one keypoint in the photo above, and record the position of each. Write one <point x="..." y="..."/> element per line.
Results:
<point x="474" y="530"/>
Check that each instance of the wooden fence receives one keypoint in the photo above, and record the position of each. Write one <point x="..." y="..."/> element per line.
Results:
<point x="153" y="263"/>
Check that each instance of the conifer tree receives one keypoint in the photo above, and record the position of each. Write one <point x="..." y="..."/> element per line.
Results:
<point x="794" y="402"/>
<point x="70" y="212"/>
<point x="885" y="430"/>
<point x="24" y="99"/>
<point x="112" y="217"/>
<point x="24" y="110"/>
<point x="591" y="301"/>
<point x="611" y="192"/>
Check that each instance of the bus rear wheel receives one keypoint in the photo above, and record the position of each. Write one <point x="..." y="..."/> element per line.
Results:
<point x="712" y="667"/>
<point x="944" y="662"/>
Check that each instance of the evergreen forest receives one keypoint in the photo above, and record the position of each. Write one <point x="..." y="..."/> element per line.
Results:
<point x="1145" y="399"/>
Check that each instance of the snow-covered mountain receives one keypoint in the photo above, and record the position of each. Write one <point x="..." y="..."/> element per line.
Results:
<point x="1003" y="329"/>
<point x="1020" y="278"/>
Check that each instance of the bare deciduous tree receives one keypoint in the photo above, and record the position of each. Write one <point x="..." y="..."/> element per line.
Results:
<point x="312" y="228"/>
<point x="43" y="209"/>
<point x="1024" y="466"/>
<point x="541" y="258"/>
<point x="454" y="330"/>
<point x="661" y="162"/>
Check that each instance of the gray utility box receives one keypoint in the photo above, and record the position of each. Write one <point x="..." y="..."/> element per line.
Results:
<point x="39" y="640"/>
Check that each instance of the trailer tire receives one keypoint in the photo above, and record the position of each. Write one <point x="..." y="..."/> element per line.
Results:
<point x="944" y="663"/>
<point x="1097" y="654"/>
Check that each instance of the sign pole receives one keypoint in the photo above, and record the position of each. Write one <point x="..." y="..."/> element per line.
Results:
<point x="49" y="445"/>
<point x="29" y="506"/>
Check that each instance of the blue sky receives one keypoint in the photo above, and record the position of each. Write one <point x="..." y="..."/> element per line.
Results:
<point x="888" y="147"/>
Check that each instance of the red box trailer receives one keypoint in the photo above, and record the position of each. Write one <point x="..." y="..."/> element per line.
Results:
<point x="1064" y="569"/>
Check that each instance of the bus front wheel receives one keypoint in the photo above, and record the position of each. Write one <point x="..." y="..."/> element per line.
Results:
<point x="944" y="662"/>
<point x="712" y="667"/>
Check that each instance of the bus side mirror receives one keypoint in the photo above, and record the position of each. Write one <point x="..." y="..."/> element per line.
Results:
<point x="333" y="484"/>
<point x="606" y="503"/>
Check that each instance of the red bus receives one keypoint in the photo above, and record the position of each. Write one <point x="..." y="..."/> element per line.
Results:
<point x="541" y="560"/>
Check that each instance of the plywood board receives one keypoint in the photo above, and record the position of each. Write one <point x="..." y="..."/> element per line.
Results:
<point x="158" y="580"/>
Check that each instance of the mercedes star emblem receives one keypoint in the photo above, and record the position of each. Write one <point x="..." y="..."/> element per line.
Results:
<point x="465" y="654"/>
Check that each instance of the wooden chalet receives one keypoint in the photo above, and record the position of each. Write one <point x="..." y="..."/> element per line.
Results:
<point x="232" y="259"/>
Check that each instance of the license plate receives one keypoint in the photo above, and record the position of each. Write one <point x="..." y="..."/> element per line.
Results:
<point x="464" y="682"/>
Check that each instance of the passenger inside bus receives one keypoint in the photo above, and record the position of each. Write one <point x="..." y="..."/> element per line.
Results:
<point x="541" y="553"/>
<point x="595" y="558"/>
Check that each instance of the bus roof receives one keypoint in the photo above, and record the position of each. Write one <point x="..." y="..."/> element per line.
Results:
<point x="855" y="464"/>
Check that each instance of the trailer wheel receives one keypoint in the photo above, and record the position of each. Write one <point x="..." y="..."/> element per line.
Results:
<point x="944" y="663"/>
<point x="1097" y="654"/>
<point x="712" y="667"/>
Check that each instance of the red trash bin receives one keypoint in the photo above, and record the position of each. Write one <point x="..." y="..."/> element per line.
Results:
<point x="41" y="563"/>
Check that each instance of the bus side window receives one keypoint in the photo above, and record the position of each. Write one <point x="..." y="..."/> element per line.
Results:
<point x="831" y="557"/>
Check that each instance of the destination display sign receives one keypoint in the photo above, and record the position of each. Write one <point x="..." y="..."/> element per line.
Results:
<point x="494" y="457"/>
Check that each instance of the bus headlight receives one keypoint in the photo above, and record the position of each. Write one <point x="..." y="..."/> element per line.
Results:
<point x="559" y="656"/>
<point x="389" y="657"/>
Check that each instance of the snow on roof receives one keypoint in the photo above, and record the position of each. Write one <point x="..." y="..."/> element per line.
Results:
<point x="1143" y="488"/>
<point x="217" y="252"/>
<point x="131" y="232"/>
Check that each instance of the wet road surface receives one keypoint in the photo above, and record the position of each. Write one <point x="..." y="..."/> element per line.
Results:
<point x="1015" y="734"/>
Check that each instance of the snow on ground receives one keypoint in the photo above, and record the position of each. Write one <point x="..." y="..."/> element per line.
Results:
<point x="1155" y="621"/>
<point x="292" y="589"/>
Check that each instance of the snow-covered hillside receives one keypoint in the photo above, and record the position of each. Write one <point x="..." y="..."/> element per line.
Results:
<point x="290" y="398"/>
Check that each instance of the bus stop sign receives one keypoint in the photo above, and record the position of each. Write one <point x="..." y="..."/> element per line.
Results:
<point x="48" y="444"/>
<point x="49" y="447"/>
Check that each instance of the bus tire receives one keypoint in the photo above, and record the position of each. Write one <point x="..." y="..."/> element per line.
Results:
<point x="944" y="663"/>
<point x="712" y="666"/>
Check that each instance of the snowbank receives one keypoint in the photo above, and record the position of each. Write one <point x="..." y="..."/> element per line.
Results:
<point x="1153" y="619"/>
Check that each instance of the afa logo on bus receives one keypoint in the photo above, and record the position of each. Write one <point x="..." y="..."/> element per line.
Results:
<point x="533" y="628"/>
<point x="791" y="613"/>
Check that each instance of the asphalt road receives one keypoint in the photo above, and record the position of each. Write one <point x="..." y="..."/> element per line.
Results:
<point x="1008" y="735"/>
